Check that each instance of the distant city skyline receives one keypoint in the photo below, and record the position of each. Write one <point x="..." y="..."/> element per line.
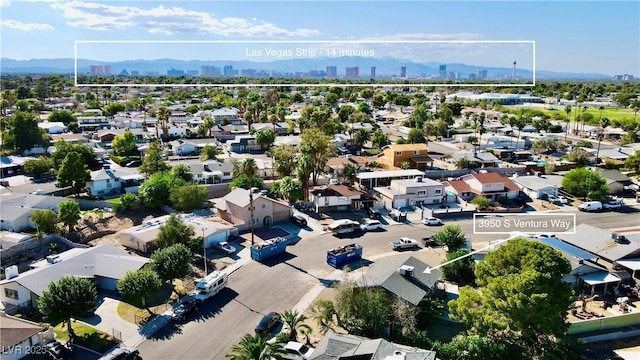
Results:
<point x="591" y="36"/>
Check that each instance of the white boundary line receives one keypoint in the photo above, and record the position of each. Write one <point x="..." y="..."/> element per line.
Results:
<point x="571" y="232"/>
<point x="532" y="42"/>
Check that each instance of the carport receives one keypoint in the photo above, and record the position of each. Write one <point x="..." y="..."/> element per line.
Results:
<point x="598" y="278"/>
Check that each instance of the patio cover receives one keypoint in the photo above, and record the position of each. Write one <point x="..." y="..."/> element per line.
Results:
<point x="631" y="264"/>
<point x="599" y="277"/>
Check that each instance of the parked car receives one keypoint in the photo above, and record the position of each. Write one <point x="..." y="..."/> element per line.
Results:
<point x="545" y="236"/>
<point x="612" y="204"/>
<point x="429" y="241"/>
<point x="58" y="351"/>
<point x="343" y="150"/>
<point x="590" y="206"/>
<point x="298" y="220"/>
<point x="404" y="243"/>
<point x="430" y="221"/>
<point x="121" y="353"/>
<point x="183" y="307"/>
<point x="369" y="225"/>
<point x="268" y="322"/>
<point x="557" y="200"/>
<point x="373" y="213"/>
<point x="296" y="350"/>
<point x="225" y="247"/>
<point x="134" y="163"/>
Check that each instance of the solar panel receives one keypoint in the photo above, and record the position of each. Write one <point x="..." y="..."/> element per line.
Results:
<point x="568" y="248"/>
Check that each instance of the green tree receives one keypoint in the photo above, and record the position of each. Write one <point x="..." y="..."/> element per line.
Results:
<point x="23" y="133"/>
<point x="287" y="188"/>
<point x="255" y="347"/>
<point x="69" y="214"/>
<point x="452" y="237"/>
<point x="464" y="163"/>
<point x="74" y="173"/>
<point x="69" y="297"/>
<point x="361" y="136"/>
<point x="208" y="124"/>
<point x="521" y="299"/>
<point x="242" y="181"/>
<point x="294" y="322"/>
<point x="188" y="197"/>
<point x="173" y="231"/>
<point x="62" y="116"/>
<point x="459" y="271"/>
<point x="481" y="202"/>
<point x="320" y="150"/>
<point x="153" y="160"/>
<point x="171" y="262"/>
<point x="604" y="123"/>
<point x="632" y="162"/>
<point x="284" y="159"/>
<point x="183" y="172"/>
<point x="129" y="200"/>
<point x="579" y="156"/>
<point x="379" y="139"/>
<point x="45" y="221"/>
<point x="125" y="144"/>
<point x="209" y="152"/>
<point x="63" y="149"/>
<point x="582" y="182"/>
<point x="584" y="143"/>
<point x="40" y="166"/>
<point x="155" y="191"/>
<point x="265" y="138"/>
<point x="249" y="169"/>
<point x="138" y="285"/>
<point x="416" y="136"/>
<point x="324" y="313"/>
<point x="362" y="311"/>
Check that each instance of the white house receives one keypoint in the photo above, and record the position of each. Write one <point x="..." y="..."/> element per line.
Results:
<point x="536" y="186"/>
<point x="113" y="182"/>
<point x="143" y="236"/>
<point x="411" y="192"/>
<point x="16" y="210"/>
<point x="104" y="264"/>
<point x="339" y="197"/>
<point x="53" y="127"/>
<point x="490" y="185"/>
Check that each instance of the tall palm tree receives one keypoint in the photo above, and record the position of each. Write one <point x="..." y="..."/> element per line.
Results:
<point x="255" y="347"/>
<point x="163" y="117"/>
<point x="294" y="321"/>
<point x="604" y="122"/>
<point x="249" y="168"/>
<point x="350" y="173"/>
<point x="567" y="109"/>
<point x="208" y="124"/>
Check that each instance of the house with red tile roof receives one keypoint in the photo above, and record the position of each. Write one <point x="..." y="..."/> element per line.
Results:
<point x="493" y="186"/>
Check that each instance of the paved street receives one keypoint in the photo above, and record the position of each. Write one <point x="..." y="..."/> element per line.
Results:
<point x="256" y="289"/>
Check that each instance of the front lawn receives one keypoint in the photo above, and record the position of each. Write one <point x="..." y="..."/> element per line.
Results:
<point x="133" y="312"/>
<point x="86" y="336"/>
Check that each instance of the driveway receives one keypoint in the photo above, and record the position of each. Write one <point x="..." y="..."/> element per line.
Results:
<point x="106" y="319"/>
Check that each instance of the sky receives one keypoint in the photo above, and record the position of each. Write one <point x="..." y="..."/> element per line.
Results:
<point x="569" y="36"/>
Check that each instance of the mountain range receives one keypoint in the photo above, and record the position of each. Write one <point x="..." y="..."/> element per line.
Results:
<point x="385" y="67"/>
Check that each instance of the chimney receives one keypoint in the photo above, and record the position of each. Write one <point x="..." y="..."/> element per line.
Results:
<point x="11" y="271"/>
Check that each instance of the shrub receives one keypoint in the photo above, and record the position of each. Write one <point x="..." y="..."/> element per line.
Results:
<point x="481" y="202"/>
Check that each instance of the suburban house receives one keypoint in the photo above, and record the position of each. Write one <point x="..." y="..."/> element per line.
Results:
<point x="616" y="181"/>
<point x="336" y="346"/>
<point x="224" y="115"/>
<point x="615" y="156"/>
<point x="244" y="144"/>
<point x="210" y="172"/>
<point x="104" y="264"/>
<point x="18" y="337"/>
<point x="91" y="119"/>
<point x="536" y="186"/>
<point x="105" y="182"/>
<point x="403" y="277"/>
<point x="339" y="197"/>
<point x="143" y="236"/>
<point x="10" y="238"/>
<point x="12" y="165"/>
<point x="368" y="180"/>
<point x="17" y="209"/>
<point x="107" y="135"/>
<point x="478" y="159"/>
<point x="53" y="127"/>
<point x="234" y="208"/>
<point x="293" y="140"/>
<point x="70" y="138"/>
<point x="192" y="146"/>
<point x="493" y="186"/>
<point x="392" y="156"/>
<point x="411" y="192"/>
<point x="336" y="165"/>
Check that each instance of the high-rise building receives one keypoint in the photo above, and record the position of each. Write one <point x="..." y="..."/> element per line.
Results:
<point x="107" y="69"/>
<point x="403" y="71"/>
<point x="332" y="71"/>
<point x="227" y="70"/>
<point x="442" y="70"/>
<point x="352" y="72"/>
<point x="373" y="72"/>
<point x="472" y="76"/>
<point x="209" y="71"/>
<point x="175" y="72"/>
<point x="96" y="70"/>
<point x="482" y="74"/>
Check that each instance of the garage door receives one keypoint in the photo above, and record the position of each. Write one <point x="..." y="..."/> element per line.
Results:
<point x="108" y="284"/>
<point x="217" y="238"/>
<point x="400" y="203"/>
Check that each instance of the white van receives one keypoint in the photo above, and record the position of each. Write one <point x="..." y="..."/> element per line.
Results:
<point x="369" y="225"/>
<point x="590" y="206"/>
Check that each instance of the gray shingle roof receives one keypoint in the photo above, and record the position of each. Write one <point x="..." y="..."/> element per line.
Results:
<point x="14" y="330"/>
<point x="341" y="346"/>
<point x="599" y="242"/>
<point x="413" y="289"/>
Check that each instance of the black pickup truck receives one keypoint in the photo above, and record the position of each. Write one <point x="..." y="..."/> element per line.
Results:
<point x="429" y="241"/>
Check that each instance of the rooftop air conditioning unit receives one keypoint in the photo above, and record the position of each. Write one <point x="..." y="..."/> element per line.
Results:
<point x="419" y="179"/>
<point x="11" y="271"/>
<point x="406" y="270"/>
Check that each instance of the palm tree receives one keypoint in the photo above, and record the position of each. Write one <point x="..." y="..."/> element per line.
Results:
<point x="249" y="168"/>
<point x="361" y="136"/>
<point x="350" y="173"/>
<point x="294" y="321"/>
<point x="163" y="116"/>
<point x="255" y="347"/>
<point x="604" y="122"/>
<point x="208" y="124"/>
<point x="324" y="312"/>
<point x="567" y="109"/>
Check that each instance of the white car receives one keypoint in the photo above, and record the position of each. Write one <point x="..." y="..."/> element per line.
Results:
<point x="612" y="204"/>
<point x="404" y="243"/>
<point x="225" y="247"/>
<point x="369" y="225"/>
<point x="429" y="221"/>
<point x="296" y="350"/>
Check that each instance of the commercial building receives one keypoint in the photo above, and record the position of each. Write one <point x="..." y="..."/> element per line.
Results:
<point x="352" y="72"/>
<point x="332" y="71"/>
